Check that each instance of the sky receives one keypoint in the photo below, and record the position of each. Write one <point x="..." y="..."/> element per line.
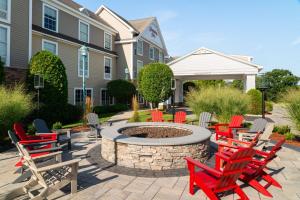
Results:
<point x="267" y="30"/>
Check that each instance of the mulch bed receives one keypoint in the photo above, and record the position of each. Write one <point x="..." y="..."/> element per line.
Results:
<point x="80" y="129"/>
<point x="155" y="132"/>
<point x="277" y="136"/>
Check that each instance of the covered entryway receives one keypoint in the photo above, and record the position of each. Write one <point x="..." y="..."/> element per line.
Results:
<point x="206" y="64"/>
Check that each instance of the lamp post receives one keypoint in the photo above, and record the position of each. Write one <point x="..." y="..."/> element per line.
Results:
<point x="173" y="88"/>
<point x="83" y="52"/>
<point x="263" y="87"/>
<point x="38" y="84"/>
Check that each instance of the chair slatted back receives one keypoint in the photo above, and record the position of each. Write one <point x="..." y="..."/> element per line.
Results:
<point x="41" y="126"/>
<point x="13" y="137"/>
<point x="234" y="167"/>
<point x="157" y="116"/>
<point x="92" y="118"/>
<point x="180" y="117"/>
<point x="275" y="149"/>
<point x="259" y="125"/>
<point x="236" y="121"/>
<point x="18" y="128"/>
<point x="204" y="118"/>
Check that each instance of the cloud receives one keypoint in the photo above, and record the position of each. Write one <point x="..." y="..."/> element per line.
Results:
<point x="296" y="41"/>
<point x="164" y="16"/>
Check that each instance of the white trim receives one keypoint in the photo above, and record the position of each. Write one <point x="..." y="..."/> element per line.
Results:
<point x="105" y="57"/>
<point x="151" y="47"/>
<point x="7" y="63"/>
<point x="78" y="67"/>
<point x="80" y="88"/>
<point x="79" y="15"/>
<point x="215" y="52"/>
<point x="51" y="42"/>
<point x="30" y="31"/>
<point x="137" y="45"/>
<point x="110" y="48"/>
<point x="88" y="25"/>
<point x="43" y="16"/>
<point x="72" y="43"/>
<point x="131" y="67"/>
<point x="125" y="41"/>
<point x="8" y="20"/>
<point x="115" y="16"/>
<point x="101" y="103"/>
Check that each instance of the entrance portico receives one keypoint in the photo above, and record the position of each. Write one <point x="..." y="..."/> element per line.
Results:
<point x="206" y="64"/>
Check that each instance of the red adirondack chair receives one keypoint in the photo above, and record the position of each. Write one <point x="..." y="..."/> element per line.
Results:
<point x="215" y="180"/>
<point x="180" y="117"/>
<point x="156" y="116"/>
<point x="255" y="169"/>
<point x="226" y="130"/>
<point x="40" y="138"/>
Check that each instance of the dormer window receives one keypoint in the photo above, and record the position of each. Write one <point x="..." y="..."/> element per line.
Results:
<point x="151" y="53"/>
<point x="140" y="49"/>
<point x="84" y="32"/>
<point x="107" y="41"/>
<point x="50" y="18"/>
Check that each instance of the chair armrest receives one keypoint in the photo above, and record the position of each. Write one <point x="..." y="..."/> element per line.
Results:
<point x="228" y="145"/>
<point x="59" y="165"/>
<point x="230" y="140"/>
<point x="47" y="155"/>
<point x="36" y="142"/>
<point x="44" y="150"/>
<point x="261" y="153"/>
<point x="202" y="166"/>
<point x="222" y="156"/>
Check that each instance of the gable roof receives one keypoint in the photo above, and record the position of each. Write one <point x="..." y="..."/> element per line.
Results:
<point x="206" y="50"/>
<point x="141" y="24"/>
<point x="120" y="18"/>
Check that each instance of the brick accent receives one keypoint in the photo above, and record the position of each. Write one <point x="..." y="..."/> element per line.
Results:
<point x="14" y="75"/>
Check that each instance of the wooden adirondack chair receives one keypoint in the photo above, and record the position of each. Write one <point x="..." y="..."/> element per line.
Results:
<point x="215" y="180"/>
<point x="226" y="130"/>
<point x="35" y="149"/>
<point x="93" y="123"/>
<point x="204" y="119"/>
<point x="259" y="125"/>
<point x="156" y="116"/>
<point x="255" y="169"/>
<point x="180" y="117"/>
<point x="51" y="178"/>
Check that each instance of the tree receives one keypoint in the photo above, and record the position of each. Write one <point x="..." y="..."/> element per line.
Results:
<point x="279" y="81"/>
<point x="154" y="82"/>
<point x="122" y="90"/>
<point x="255" y="104"/>
<point x="238" y="84"/>
<point x="2" y="75"/>
<point x="209" y="83"/>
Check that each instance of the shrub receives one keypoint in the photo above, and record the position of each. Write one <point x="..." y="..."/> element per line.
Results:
<point x="2" y="75"/>
<point x="122" y="90"/>
<point x="154" y="82"/>
<point x="282" y="129"/>
<point x="110" y="109"/>
<point x="289" y="136"/>
<point x="57" y="125"/>
<point x="15" y="105"/>
<point x="255" y="105"/>
<point x="135" y="107"/>
<point x="31" y="129"/>
<point x="269" y="106"/>
<point x="292" y="99"/>
<point x="224" y="102"/>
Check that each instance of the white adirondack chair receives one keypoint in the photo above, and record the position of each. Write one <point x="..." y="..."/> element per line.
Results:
<point x="51" y="178"/>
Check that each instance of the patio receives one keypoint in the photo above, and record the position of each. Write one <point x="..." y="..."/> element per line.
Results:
<point x="103" y="182"/>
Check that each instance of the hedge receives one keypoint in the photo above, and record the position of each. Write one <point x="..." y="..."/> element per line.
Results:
<point x="122" y="90"/>
<point x="110" y="108"/>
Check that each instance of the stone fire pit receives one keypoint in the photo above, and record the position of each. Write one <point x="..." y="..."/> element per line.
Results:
<point x="139" y="146"/>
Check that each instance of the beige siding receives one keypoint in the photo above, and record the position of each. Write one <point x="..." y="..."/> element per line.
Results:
<point x="69" y="55"/>
<point x="68" y="24"/>
<point x="124" y="58"/>
<point x="124" y="32"/>
<point x="19" y="38"/>
<point x="37" y="12"/>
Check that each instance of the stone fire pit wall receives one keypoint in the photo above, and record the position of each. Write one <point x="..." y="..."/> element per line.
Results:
<point x="154" y="153"/>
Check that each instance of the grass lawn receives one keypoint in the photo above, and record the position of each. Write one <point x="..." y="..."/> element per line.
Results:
<point x="102" y="119"/>
<point x="146" y="114"/>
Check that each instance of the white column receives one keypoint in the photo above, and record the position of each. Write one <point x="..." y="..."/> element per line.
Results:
<point x="249" y="82"/>
<point x="179" y="92"/>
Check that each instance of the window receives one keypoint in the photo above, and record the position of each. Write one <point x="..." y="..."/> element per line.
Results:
<point x="78" y="95"/>
<point x="107" y="68"/>
<point x="161" y="57"/>
<point x="50" y="46"/>
<point x="139" y="66"/>
<point x="151" y="53"/>
<point x="50" y="19"/>
<point x="83" y="32"/>
<point x="5" y="10"/>
<point x="5" y="44"/>
<point x="105" y="98"/>
<point x="80" y="65"/>
<point x="107" y="41"/>
<point x="140" y="49"/>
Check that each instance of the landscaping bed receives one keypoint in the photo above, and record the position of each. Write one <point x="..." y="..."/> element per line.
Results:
<point x="276" y="137"/>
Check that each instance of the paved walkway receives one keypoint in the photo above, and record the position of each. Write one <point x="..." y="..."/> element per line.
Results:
<point x="97" y="183"/>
